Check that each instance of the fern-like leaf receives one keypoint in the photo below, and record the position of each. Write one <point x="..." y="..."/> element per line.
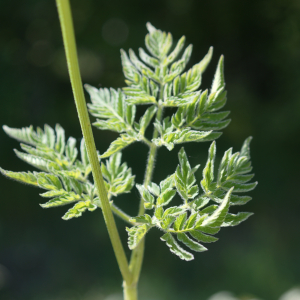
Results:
<point x="64" y="176"/>
<point x="117" y="175"/>
<point x="233" y="172"/>
<point x="111" y="110"/>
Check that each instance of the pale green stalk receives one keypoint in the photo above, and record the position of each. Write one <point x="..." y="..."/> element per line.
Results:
<point x="121" y="214"/>
<point x="72" y="60"/>
<point x="130" y="291"/>
<point x="137" y="255"/>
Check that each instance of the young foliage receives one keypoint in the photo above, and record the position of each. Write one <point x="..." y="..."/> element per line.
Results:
<point x="118" y="176"/>
<point x="136" y="233"/>
<point x="196" y="119"/>
<point x="65" y="177"/>
<point x="114" y="112"/>
<point x="185" y="178"/>
<point x="157" y="78"/>
<point x="111" y="109"/>
<point x="234" y="171"/>
<point x="195" y="222"/>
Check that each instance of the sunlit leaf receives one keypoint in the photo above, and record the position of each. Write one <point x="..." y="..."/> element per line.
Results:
<point x="77" y="210"/>
<point x="234" y="220"/>
<point x="182" y="237"/>
<point x="23" y="177"/>
<point x="175" y="248"/>
<point x="135" y="235"/>
<point x="120" y="143"/>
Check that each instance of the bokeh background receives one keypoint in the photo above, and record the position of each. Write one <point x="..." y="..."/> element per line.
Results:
<point x="43" y="257"/>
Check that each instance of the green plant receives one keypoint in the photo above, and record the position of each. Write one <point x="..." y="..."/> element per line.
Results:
<point x="160" y="82"/>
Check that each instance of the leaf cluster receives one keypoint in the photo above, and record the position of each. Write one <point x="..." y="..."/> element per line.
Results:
<point x="202" y="214"/>
<point x="62" y="174"/>
<point x="157" y="78"/>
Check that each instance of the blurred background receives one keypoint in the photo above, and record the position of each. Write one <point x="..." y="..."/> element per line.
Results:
<point x="43" y="257"/>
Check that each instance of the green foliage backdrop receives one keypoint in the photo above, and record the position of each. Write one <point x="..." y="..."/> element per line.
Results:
<point x="43" y="257"/>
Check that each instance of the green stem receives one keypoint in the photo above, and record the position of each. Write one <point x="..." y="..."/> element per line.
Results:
<point x="72" y="60"/>
<point x="147" y="142"/>
<point x="151" y="158"/>
<point x="117" y="211"/>
<point x="130" y="291"/>
<point x="137" y="255"/>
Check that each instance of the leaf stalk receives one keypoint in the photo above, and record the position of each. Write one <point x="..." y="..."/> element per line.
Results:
<point x="137" y="255"/>
<point x="117" y="211"/>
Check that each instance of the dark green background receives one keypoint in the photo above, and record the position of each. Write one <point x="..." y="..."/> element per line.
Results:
<point x="43" y="257"/>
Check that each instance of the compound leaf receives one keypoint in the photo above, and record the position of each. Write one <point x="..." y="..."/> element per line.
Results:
<point x="64" y="177"/>
<point x="111" y="109"/>
<point x="118" y="176"/>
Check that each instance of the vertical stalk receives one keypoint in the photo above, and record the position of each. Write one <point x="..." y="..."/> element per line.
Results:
<point x="72" y="60"/>
<point x="130" y="291"/>
<point x="138" y="253"/>
<point x="152" y="156"/>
